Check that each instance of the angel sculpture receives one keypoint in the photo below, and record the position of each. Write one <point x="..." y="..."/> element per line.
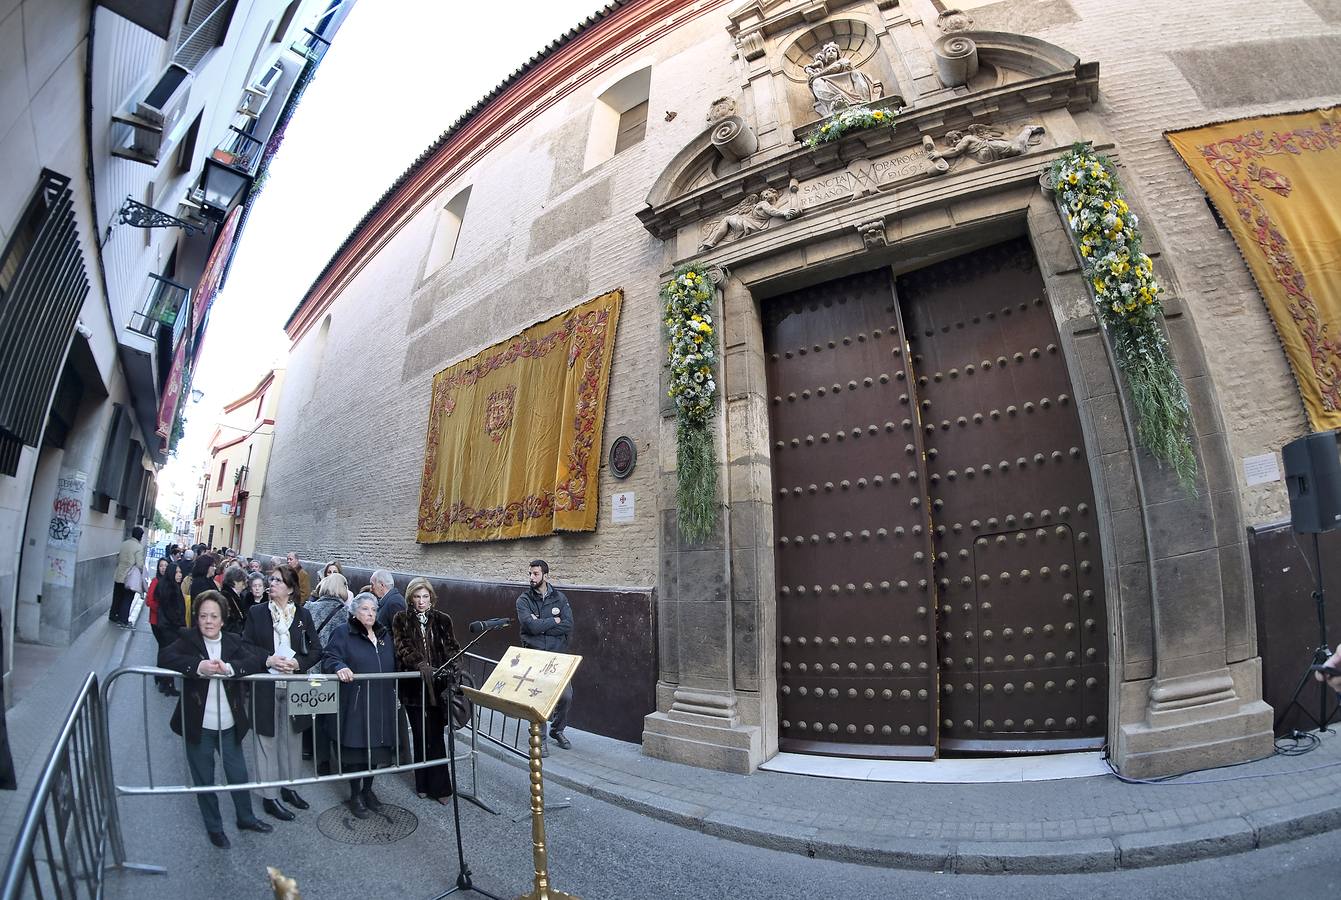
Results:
<point x="755" y="213"/>
<point x="984" y="143"/>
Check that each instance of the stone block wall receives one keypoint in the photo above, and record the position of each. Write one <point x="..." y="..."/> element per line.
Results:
<point x="538" y="236"/>
<point x="1173" y="66"/>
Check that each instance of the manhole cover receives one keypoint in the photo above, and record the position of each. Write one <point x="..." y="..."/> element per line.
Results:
<point x="390" y="825"/>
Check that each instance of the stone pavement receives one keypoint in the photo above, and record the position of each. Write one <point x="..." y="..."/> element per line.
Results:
<point x="1066" y="826"/>
<point x="42" y="703"/>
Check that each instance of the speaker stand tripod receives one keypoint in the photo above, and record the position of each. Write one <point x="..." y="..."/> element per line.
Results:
<point x="1320" y="655"/>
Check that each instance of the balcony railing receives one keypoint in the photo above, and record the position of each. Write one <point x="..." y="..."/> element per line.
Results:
<point x="311" y="45"/>
<point x="163" y="306"/>
<point x="240" y="150"/>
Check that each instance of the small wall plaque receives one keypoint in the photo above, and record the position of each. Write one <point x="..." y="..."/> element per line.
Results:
<point x="623" y="456"/>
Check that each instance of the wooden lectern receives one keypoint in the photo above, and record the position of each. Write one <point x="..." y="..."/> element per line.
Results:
<point x="527" y="684"/>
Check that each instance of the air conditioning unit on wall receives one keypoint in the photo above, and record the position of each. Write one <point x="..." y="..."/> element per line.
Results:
<point x="255" y="98"/>
<point x="155" y="115"/>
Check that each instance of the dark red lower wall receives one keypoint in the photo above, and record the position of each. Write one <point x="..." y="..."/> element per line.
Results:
<point x="1287" y="622"/>
<point x="614" y="633"/>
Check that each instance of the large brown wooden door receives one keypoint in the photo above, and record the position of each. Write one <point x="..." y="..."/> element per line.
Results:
<point x="856" y="617"/>
<point x="1021" y="615"/>
<point x="938" y="571"/>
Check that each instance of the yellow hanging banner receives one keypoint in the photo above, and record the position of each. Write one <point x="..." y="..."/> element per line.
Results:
<point x="1276" y="181"/>
<point x="514" y="432"/>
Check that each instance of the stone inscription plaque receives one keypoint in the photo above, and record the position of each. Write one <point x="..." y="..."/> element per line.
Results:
<point x="863" y="177"/>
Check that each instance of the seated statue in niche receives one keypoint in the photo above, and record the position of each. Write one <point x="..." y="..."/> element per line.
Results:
<point x="983" y="143"/>
<point x="836" y="84"/>
<point x="755" y="214"/>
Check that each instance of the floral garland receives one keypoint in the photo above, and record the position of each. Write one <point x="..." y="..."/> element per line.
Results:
<point x="853" y="118"/>
<point x="1126" y="294"/>
<point x="692" y="351"/>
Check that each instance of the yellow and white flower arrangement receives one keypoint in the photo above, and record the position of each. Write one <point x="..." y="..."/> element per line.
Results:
<point x="850" y="119"/>
<point x="1126" y="294"/>
<point x="691" y="348"/>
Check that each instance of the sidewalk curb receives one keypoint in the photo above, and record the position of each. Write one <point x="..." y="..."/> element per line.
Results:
<point x="1143" y="849"/>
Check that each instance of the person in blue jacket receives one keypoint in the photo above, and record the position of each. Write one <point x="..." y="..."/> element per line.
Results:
<point x="367" y="707"/>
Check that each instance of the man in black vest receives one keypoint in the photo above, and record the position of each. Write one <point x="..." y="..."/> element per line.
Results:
<point x="546" y="622"/>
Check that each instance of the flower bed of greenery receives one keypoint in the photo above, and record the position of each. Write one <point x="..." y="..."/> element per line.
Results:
<point x="850" y="119"/>
<point x="1126" y="294"/>
<point x="692" y="349"/>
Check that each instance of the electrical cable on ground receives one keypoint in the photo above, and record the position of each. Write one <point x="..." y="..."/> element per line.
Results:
<point x="1302" y="742"/>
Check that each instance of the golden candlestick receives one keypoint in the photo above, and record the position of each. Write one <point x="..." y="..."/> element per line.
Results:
<point x="542" y="890"/>
<point x="527" y="683"/>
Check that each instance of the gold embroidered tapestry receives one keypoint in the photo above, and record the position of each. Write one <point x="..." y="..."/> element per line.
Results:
<point x="514" y="432"/>
<point x="1276" y="182"/>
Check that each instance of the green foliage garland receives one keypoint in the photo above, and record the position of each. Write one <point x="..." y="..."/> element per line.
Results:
<point x="1126" y="294"/>
<point x="691" y="338"/>
<point x="850" y="119"/>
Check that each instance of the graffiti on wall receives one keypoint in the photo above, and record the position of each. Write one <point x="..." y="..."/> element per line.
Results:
<point x="65" y="528"/>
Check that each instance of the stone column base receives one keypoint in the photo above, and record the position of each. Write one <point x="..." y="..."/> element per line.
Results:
<point x="702" y="729"/>
<point x="1199" y="722"/>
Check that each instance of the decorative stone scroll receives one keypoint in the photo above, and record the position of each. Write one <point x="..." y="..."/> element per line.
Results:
<point x="956" y="59"/>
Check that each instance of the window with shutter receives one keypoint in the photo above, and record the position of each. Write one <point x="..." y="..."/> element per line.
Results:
<point x="632" y="127"/>
<point x="43" y="283"/>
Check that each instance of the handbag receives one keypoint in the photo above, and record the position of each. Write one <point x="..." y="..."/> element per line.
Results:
<point x="463" y="709"/>
<point x="134" y="581"/>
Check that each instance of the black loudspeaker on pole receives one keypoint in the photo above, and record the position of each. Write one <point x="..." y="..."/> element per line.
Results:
<point x="1313" y="478"/>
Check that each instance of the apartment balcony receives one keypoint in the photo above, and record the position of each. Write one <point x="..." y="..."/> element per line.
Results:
<point x="240" y="150"/>
<point x="146" y="345"/>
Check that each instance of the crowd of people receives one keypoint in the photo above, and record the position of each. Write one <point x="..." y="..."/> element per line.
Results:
<point x="217" y="617"/>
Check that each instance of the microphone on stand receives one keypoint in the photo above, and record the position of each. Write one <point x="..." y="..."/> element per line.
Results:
<point x="488" y="625"/>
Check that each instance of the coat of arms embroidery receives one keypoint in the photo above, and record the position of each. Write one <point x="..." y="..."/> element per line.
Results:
<point x="498" y="412"/>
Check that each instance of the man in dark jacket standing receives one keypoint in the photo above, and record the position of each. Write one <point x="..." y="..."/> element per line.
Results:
<point x="546" y="622"/>
<point x="389" y="600"/>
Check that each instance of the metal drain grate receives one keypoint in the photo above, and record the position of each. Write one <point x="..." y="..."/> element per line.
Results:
<point x="392" y="824"/>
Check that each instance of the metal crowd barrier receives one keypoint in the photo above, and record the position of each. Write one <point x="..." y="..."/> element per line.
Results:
<point x="303" y="684"/>
<point x="71" y="829"/>
<point x="71" y="832"/>
<point x="501" y="730"/>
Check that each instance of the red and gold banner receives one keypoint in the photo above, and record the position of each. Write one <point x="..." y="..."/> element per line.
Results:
<point x="514" y="432"/>
<point x="1276" y="181"/>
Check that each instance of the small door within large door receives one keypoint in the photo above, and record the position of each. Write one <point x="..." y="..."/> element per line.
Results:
<point x="939" y="582"/>
<point x="1019" y="576"/>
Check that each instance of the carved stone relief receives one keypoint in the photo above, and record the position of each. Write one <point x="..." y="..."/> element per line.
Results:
<point x="952" y="21"/>
<point x="983" y="143"/>
<point x="755" y="213"/>
<point x="873" y="234"/>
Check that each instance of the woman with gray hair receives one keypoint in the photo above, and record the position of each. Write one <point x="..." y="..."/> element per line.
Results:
<point x="368" y="709"/>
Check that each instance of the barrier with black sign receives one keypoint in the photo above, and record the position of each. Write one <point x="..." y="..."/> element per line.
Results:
<point x="310" y="696"/>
